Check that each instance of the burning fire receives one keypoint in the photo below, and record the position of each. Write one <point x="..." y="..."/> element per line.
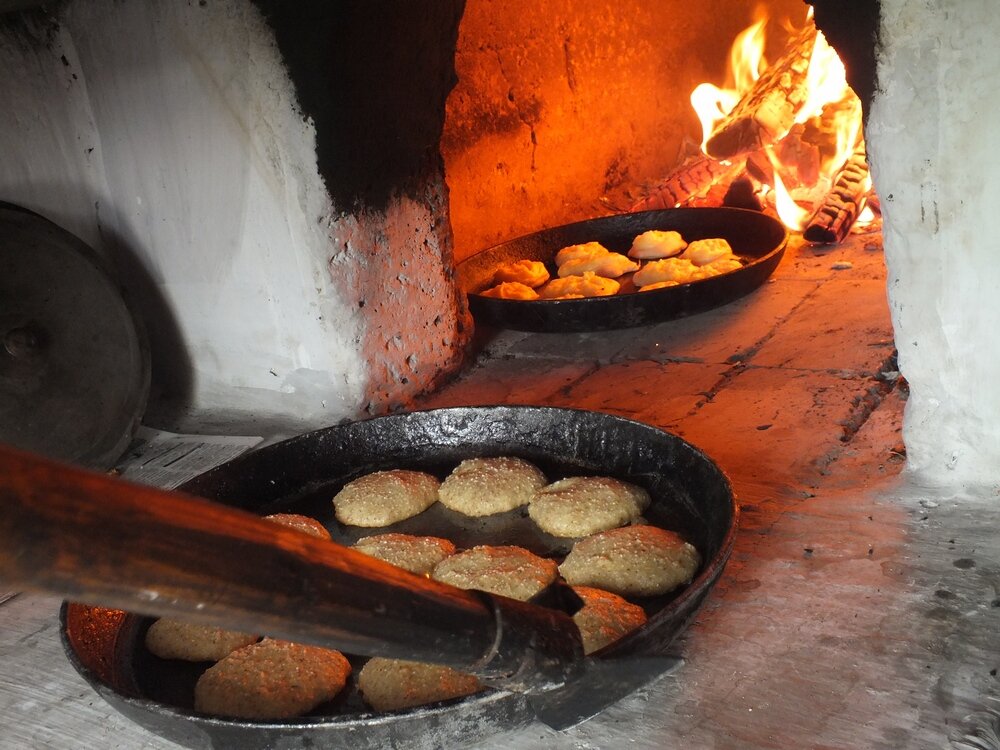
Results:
<point x="798" y="125"/>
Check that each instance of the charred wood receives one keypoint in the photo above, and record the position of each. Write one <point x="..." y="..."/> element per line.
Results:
<point x="768" y="110"/>
<point x="834" y="219"/>
<point x="689" y="183"/>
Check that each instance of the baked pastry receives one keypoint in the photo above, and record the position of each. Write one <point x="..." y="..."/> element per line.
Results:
<point x="394" y="684"/>
<point x="589" y="250"/>
<point x="703" y="252"/>
<point x="725" y="264"/>
<point x="271" y="680"/>
<point x="304" y="524"/>
<point x="513" y="572"/>
<point x="605" y="617"/>
<point x="176" y="639"/>
<point x="186" y="641"/>
<point x="656" y="244"/>
<point x="658" y="285"/>
<point x="669" y="269"/>
<point x="530" y="273"/>
<point x="417" y="554"/>
<point x="609" y="265"/>
<point x="385" y="497"/>
<point x="578" y="506"/>
<point x="572" y="287"/>
<point x="632" y="561"/>
<point x="510" y="290"/>
<point x="484" y="486"/>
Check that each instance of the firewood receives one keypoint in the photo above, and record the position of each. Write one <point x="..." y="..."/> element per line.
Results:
<point x="768" y="110"/>
<point x="834" y="219"/>
<point x="688" y="184"/>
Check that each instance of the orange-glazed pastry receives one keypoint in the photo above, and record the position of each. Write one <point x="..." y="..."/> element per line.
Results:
<point x="531" y="273"/>
<point x="510" y="290"/>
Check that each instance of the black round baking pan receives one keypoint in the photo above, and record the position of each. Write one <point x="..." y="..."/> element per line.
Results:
<point x="759" y="240"/>
<point x="690" y="495"/>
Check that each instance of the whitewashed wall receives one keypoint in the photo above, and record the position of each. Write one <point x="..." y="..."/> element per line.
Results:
<point x="165" y="134"/>
<point x="936" y="165"/>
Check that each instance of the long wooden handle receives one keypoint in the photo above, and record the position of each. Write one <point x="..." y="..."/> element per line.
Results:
<point x="105" y="541"/>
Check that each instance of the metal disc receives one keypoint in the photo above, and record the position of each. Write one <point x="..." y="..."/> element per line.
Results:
<point x="74" y="362"/>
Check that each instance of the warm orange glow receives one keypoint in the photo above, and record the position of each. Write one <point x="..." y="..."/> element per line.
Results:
<point x="825" y="133"/>
<point x="866" y="217"/>
<point x="792" y="215"/>
<point x="746" y="63"/>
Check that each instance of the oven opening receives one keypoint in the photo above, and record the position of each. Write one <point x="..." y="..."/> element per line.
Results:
<point x="285" y="197"/>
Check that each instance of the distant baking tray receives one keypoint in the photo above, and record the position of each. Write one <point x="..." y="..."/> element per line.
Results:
<point x="758" y="239"/>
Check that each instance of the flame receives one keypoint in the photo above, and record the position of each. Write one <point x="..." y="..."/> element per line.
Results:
<point x="746" y="63"/>
<point x="804" y="167"/>
<point x="792" y="215"/>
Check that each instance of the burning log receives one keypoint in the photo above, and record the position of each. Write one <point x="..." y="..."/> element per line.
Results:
<point x="768" y="110"/>
<point x="693" y="179"/>
<point x="840" y="209"/>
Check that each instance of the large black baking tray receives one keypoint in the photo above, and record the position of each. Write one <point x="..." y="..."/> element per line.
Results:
<point x="759" y="240"/>
<point x="690" y="494"/>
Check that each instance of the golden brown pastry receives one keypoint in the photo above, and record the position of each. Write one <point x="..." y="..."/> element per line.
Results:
<point x="531" y="273"/>
<point x="574" y="287"/>
<point x="578" y="506"/>
<point x="271" y="680"/>
<point x="631" y="561"/>
<point x="608" y="265"/>
<point x="394" y="684"/>
<point x="510" y="290"/>
<point x="385" y="497"/>
<point x="484" y="486"/>
<point x="605" y="617"/>
<point x="588" y="250"/>
<point x="417" y="554"/>
<point x="513" y="572"/>
<point x="655" y="244"/>
<point x="703" y="252"/>
<point x="678" y="270"/>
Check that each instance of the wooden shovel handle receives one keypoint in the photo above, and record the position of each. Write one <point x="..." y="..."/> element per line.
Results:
<point x="105" y="541"/>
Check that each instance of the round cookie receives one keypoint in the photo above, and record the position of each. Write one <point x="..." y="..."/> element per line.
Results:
<point x="513" y="572"/>
<point x="393" y="684"/>
<point x="271" y="680"/>
<point x="605" y="617"/>
<point x="304" y="524"/>
<point x="417" y="554"/>
<point x="385" y="497"/>
<point x="578" y="506"/>
<point x="175" y="639"/>
<point x="632" y="561"/>
<point x="484" y="486"/>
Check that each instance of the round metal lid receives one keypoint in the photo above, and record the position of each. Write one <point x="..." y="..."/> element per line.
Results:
<point x="74" y="361"/>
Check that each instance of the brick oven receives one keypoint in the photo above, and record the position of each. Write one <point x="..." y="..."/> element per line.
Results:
<point x="286" y="189"/>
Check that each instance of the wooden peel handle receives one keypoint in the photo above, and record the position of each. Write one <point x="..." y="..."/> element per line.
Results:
<point x="109" y="542"/>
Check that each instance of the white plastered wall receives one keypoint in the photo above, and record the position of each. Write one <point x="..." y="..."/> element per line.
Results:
<point x="168" y="131"/>
<point x="936" y="167"/>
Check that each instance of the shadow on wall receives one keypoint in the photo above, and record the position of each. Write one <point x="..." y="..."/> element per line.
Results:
<point x="172" y="375"/>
